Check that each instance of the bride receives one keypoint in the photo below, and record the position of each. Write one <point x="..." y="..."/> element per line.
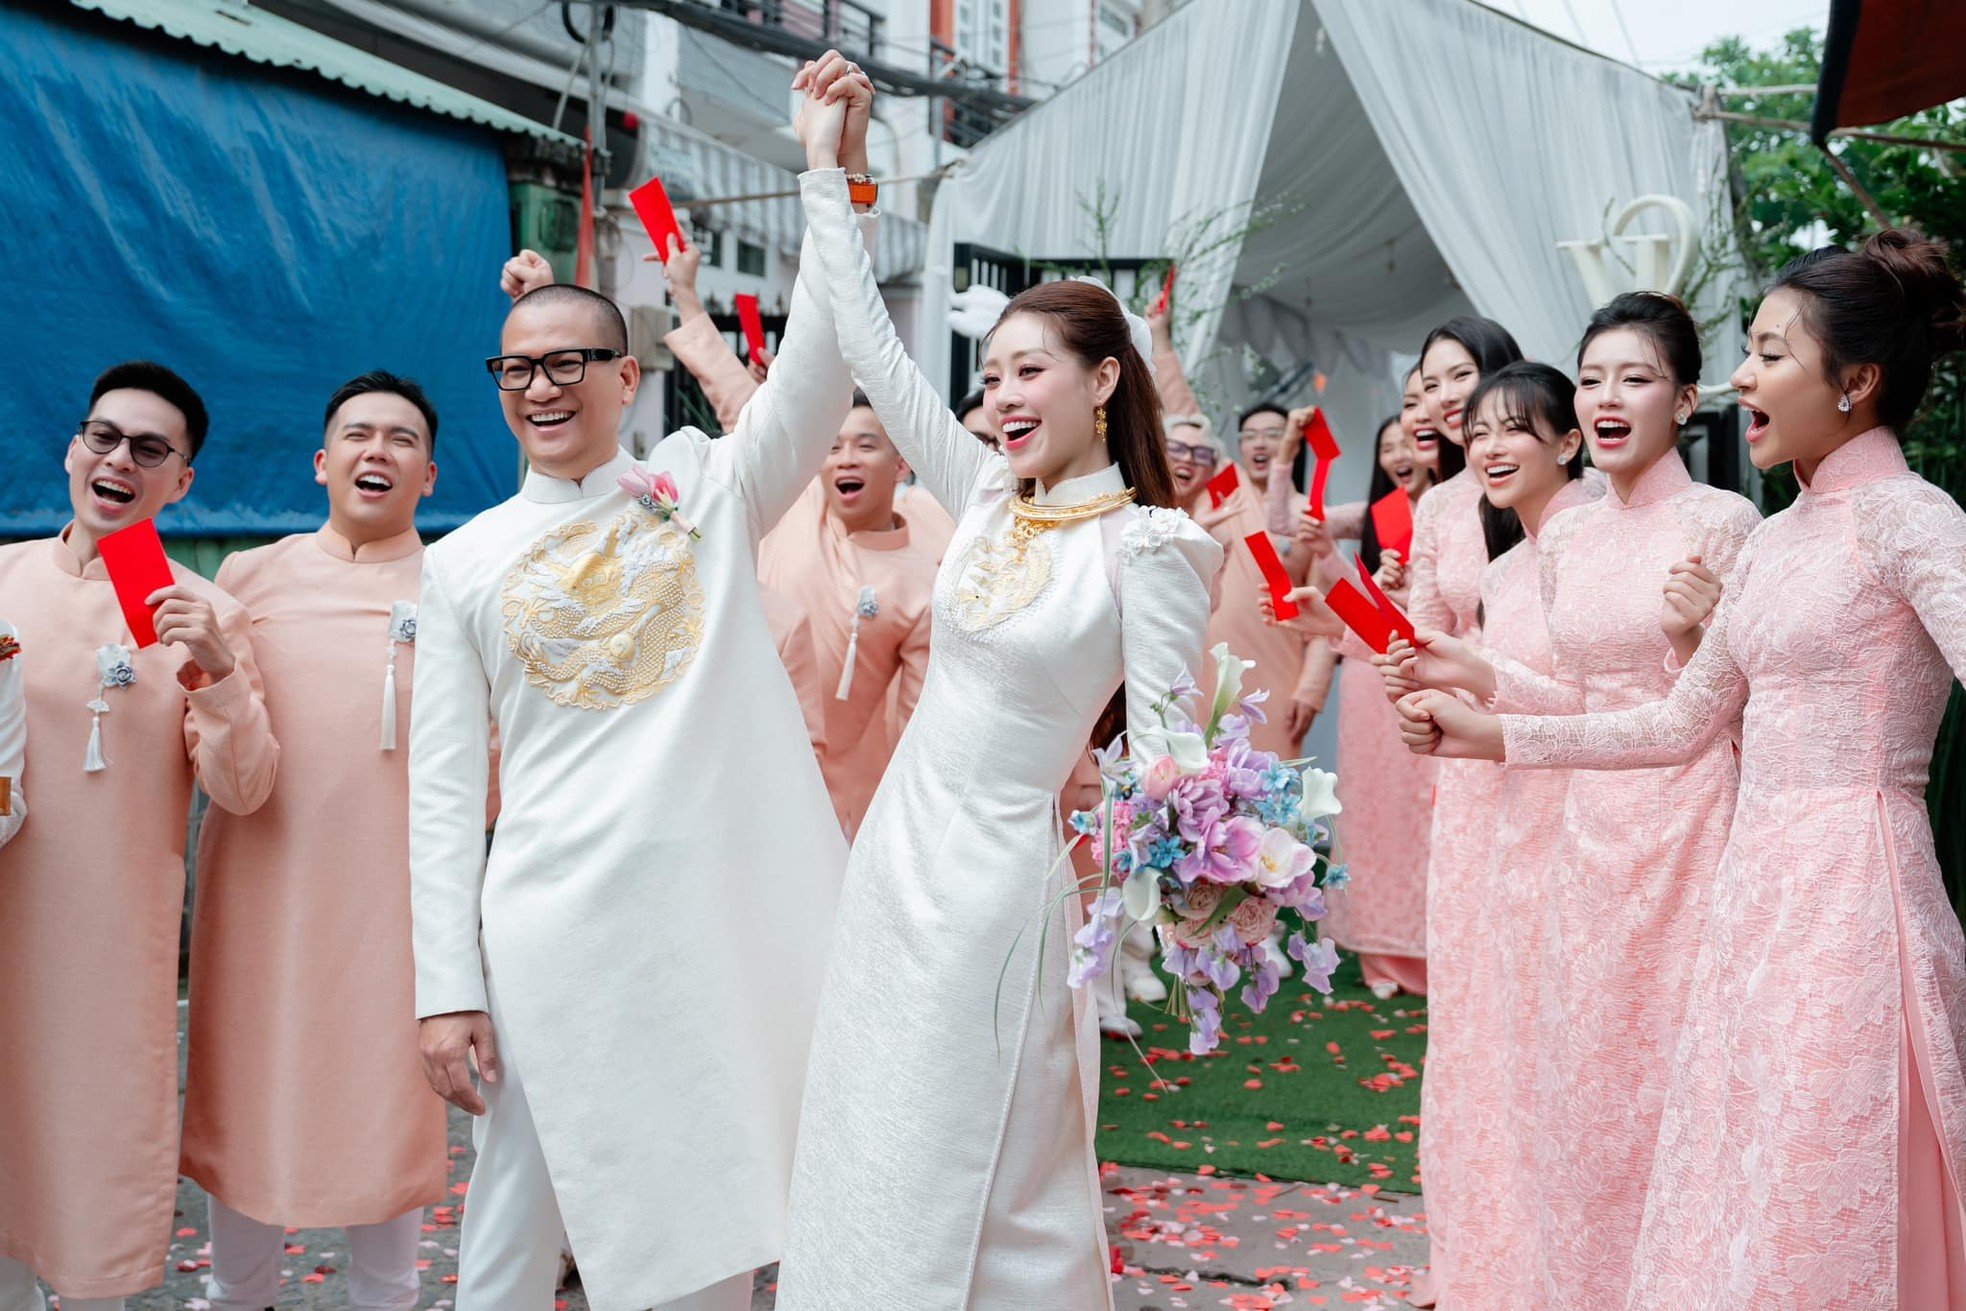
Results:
<point x="945" y="1154"/>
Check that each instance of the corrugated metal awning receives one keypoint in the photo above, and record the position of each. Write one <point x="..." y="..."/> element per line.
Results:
<point x="239" y="29"/>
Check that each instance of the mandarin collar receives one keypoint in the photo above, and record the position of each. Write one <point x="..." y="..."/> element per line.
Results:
<point x="68" y="562"/>
<point x="1865" y="458"/>
<point x="882" y="539"/>
<point x="399" y="547"/>
<point x="1073" y="491"/>
<point x="1577" y="491"/>
<point x="1668" y="476"/>
<point x="559" y="491"/>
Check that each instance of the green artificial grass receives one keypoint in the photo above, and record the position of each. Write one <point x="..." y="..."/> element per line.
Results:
<point x="1322" y="1090"/>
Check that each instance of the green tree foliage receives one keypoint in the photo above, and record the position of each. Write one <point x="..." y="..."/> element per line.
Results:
<point x="1787" y="200"/>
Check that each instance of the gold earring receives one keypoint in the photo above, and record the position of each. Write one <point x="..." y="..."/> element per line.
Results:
<point x="1099" y="422"/>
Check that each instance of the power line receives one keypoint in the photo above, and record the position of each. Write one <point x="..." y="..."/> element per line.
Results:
<point x="1618" y="12"/>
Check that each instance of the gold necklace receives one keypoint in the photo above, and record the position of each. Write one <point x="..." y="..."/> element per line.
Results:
<point x="1032" y="518"/>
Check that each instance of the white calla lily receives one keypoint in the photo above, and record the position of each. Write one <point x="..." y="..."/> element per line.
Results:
<point x="1141" y="894"/>
<point x="1229" y="670"/>
<point x="1189" y="751"/>
<point x="1320" y="796"/>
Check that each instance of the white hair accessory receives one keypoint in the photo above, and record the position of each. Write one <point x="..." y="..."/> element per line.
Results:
<point x="975" y="310"/>
<point x="1143" y="337"/>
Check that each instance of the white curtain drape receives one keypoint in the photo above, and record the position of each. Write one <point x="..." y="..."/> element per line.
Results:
<point x="1506" y="141"/>
<point x="1174" y="128"/>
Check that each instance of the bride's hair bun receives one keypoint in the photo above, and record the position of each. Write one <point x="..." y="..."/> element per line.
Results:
<point x="1895" y="303"/>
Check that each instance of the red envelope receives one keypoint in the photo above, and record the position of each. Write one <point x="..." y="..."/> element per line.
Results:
<point x="1272" y="566"/>
<point x="1221" y="485"/>
<point x="1360" y="615"/>
<point x="137" y="566"/>
<point x="1387" y="610"/>
<point x="1317" y="436"/>
<point x="1166" y="297"/>
<point x="1392" y="520"/>
<point x="754" y="328"/>
<point x="658" y="217"/>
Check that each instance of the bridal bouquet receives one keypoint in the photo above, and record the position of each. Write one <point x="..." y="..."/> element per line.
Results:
<point x="1212" y="842"/>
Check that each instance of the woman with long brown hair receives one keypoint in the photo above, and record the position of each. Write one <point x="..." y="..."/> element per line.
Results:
<point x="945" y="1150"/>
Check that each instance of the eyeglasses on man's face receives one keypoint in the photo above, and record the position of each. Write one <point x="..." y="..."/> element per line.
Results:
<point x="148" y="449"/>
<point x="1203" y="454"/>
<point x="563" y="368"/>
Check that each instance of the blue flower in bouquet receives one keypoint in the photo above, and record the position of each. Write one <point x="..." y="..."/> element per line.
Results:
<point x="1164" y="851"/>
<point x="1338" y="876"/>
<point x="1086" y="822"/>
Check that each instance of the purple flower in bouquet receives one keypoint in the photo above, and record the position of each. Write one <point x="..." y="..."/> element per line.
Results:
<point x="1251" y="706"/>
<point x="1319" y="959"/>
<point x="1096" y="939"/>
<point x="1205" y="1013"/>
<point x="1223" y="852"/>
<point x="1199" y="805"/>
<point x="1263" y="983"/>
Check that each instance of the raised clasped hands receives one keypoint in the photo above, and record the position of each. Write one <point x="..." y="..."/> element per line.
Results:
<point x="832" y="119"/>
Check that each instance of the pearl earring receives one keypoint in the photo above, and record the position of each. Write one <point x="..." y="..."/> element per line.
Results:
<point x="1681" y="418"/>
<point x="1843" y="403"/>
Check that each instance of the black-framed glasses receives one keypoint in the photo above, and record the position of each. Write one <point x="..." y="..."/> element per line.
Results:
<point x="563" y="368"/>
<point x="1203" y="454"/>
<point x="147" y="449"/>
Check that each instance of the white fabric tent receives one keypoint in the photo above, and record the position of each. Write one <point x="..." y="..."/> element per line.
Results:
<point x="1423" y="158"/>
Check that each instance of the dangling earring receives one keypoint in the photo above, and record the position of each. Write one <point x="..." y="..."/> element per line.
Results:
<point x="1099" y="423"/>
<point x="1843" y="403"/>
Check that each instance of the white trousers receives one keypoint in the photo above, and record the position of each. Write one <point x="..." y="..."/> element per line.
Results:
<point x="509" y="1253"/>
<point x="19" y="1292"/>
<point x="246" y="1255"/>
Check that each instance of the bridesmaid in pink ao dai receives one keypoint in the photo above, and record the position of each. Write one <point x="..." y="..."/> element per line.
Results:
<point x="1815" y="1107"/>
<point x="1624" y="918"/>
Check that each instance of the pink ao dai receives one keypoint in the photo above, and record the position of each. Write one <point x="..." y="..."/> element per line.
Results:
<point x="1385" y="832"/>
<point x="1487" y="1184"/>
<point x="1639" y="848"/>
<point x="91" y="902"/>
<point x="1815" y="1106"/>
<point x="1449" y="555"/>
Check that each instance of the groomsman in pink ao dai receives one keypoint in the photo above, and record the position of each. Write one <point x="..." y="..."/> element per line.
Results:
<point x="852" y="564"/>
<point x="305" y="1103"/>
<point x="92" y="892"/>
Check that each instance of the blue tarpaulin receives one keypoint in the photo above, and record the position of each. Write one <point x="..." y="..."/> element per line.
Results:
<point x="263" y="233"/>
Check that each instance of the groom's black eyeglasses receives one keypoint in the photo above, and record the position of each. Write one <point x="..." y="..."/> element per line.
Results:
<point x="563" y="368"/>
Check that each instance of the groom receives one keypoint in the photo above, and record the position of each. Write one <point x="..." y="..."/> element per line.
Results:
<point x="663" y="826"/>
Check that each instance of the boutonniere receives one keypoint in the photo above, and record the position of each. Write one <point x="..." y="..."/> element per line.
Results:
<point x="865" y="606"/>
<point x="9" y="647"/>
<point x="656" y="492"/>
<point x="402" y="628"/>
<point x="115" y="667"/>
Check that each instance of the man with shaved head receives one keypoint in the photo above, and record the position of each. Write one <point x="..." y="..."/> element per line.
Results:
<point x="663" y="827"/>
